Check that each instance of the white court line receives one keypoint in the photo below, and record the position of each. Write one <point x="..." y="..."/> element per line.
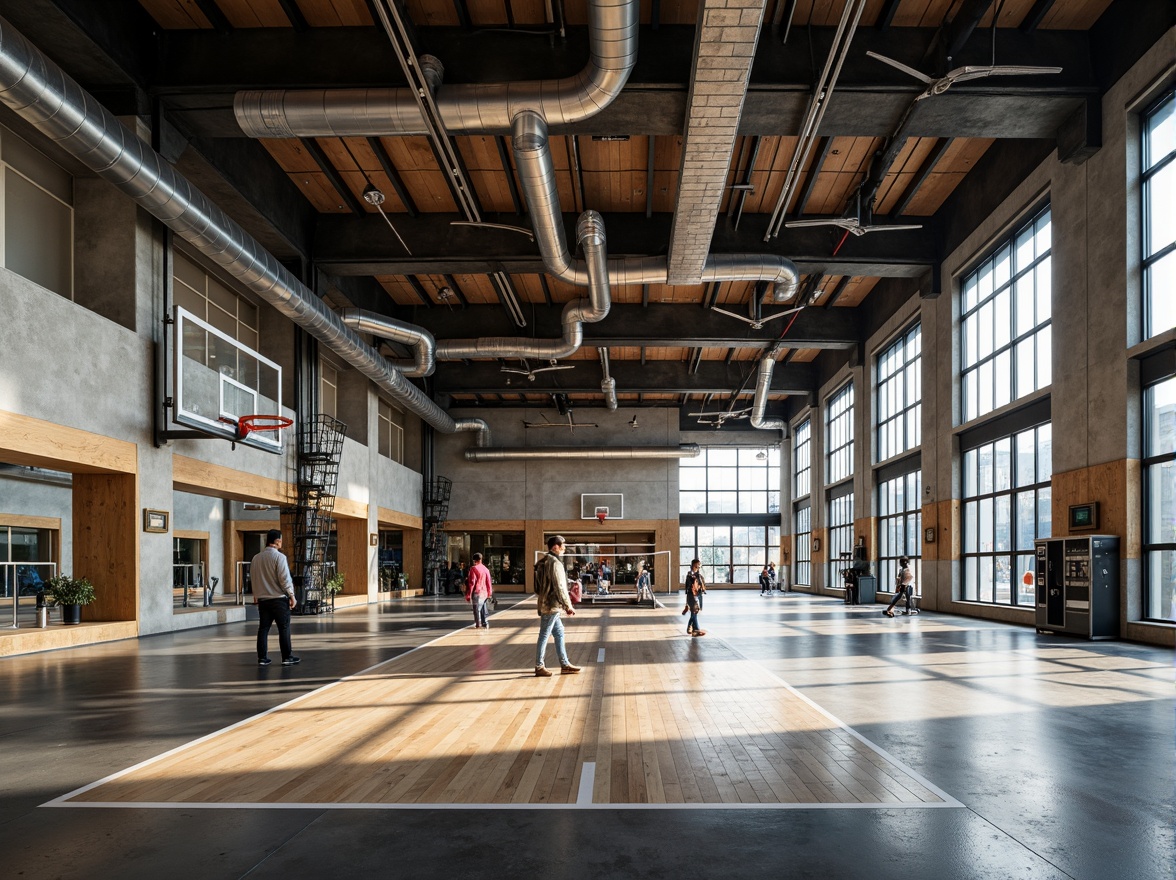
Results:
<point x="948" y="801"/>
<point x="600" y="656"/>
<point x="587" y="780"/>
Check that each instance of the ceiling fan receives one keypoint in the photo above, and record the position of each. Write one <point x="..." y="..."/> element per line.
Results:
<point x="756" y="323"/>
<point x="532" y="373"/>
<point x="854" y="225"/>
<point x="939" y="85"/>
<point x="718" y="418"/>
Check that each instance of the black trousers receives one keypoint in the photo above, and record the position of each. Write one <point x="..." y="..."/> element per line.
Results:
<point x="903" y="590"/>
<point x="271" y="611"/>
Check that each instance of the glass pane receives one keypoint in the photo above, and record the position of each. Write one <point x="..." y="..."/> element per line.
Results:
<point x="1161" y="282"/>
<point x="1002" y="530"/>
<point x="1002" y="388"/>
<point x="755" y="535"/>
<point x="1161" y="584"/>
<point x="971" y="531"/>
<point x="722" y="477"/>
<point x="971" y="469"/>
<point x="692" y="478"/>
<point x="972" y="579"/>
<point x="686" y="536"/>
<point x="1044" y="273"/>
<point x="692" y="502"/>
<point x="1024" y="305"/>
<point x="1026" y="520"/>
<point x="38" y="236"/>
<point x="1044" y="453"/>
<point x="753" y="478"/>
<point x="984" y="521"/>
<point x="970" y="355"/>
<point x="1026" y="465"/>
<point x="1024" y="248"/>
<point x="984" y="579"/>
<point x="723" y="502"/>
<point x="1026" y="367"/>
<point x="984" y="387"/>
<point x="717" y="456"/>
<point x="1161" y="513"/>
<point x="1002" y="577"/>
<point x="1003" y="317"/>
<point x="1044" y="358"/>
<point x="984" y="346"/>
<point x="1160" y="401"/>
<point x="753" y="502"/>
<point x="1044" y="513"/>
<point x="984" y="460"/>
<point x="1026" y="592"/>
<point x="1002" y="463"/>
<point x="1161" y="219"/>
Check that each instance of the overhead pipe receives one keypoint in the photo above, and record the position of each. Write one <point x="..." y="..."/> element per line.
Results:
<point x="536" y="171"/>
<point x="759" y="403"/>
<point x="42" y="94"/>
<point x="469" y="108"/>
<point x="416" y="338"/>
<point x="596" y="453"/>
<point x="593" y="308"/>
<point x="608" y="385"/>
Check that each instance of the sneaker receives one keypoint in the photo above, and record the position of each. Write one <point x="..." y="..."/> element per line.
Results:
<point x="542" y="672"/>
<point x="568" y="669"/>
<point x="290" y="661"/>
<point x="264" y="661"/>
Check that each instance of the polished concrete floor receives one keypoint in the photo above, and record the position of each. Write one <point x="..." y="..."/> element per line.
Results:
<point x="1060" y="752"/>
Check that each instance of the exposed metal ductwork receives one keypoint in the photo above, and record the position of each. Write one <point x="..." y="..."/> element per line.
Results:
<point x="590" y="234"/>
<point x="536" y="172"/>
<point x="41" y="93"/>
<point x="560" y="453"/>
<point x="608" y="385"/>
<point x="763" y="385"/>
<point x="480" y="109"/>
<point x="417" y="338"/>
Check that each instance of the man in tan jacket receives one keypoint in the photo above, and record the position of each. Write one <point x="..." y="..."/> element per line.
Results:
<point x="551" y="588"/>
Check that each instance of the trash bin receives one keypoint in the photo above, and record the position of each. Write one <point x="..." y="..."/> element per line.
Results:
<point x="42" y="616"/>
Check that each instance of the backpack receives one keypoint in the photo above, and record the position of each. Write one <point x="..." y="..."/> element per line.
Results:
<point x="540" y="579"/>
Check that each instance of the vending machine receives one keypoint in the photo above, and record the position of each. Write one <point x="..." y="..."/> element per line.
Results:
<point x="1078" y="586"/>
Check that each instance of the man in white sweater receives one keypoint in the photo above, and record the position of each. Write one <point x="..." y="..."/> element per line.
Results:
<point x="273" y="592"/>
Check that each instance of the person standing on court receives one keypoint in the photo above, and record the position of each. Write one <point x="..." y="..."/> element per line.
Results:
<point x="904" y="585"/>
<point x="765" y="582"/>
<point x="695" y="587"/>
<point x="479" y="590"/>
<point x="273" y="591"/>
<point x="551" y="588"/>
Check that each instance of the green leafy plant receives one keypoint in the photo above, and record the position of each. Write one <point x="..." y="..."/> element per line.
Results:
<point x="334" y="584"/>
<point x="63" y="589"/>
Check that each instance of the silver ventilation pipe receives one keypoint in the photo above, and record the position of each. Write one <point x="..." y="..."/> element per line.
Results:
<point x="42" y="94"/>
<point x="763" y="385"/>
<point x="608" y="385"/>
<point x="590" y="234"/>
<point x="563" y="453"/>
<point x="482" y="109"/>
<point x="417" y="338"/>
<point x="536" y="172"/>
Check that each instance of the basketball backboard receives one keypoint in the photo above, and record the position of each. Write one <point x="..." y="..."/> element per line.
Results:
<point x="216" y="380"/>
<point x="613" y="504"/>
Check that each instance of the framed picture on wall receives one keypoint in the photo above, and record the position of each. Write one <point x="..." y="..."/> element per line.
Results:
<point x="1084" y="517"/>
<point x="154" y="520"/>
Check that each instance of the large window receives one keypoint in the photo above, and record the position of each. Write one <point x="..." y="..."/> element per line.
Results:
<point x="1159" y="218"/>
<point x="1159" y="517"/>
<point x="900" y="395"/>
<point x="900" y="526"/>
<point x="197" y="292"/>
<point x="839" y="435"/>
<point x="802" y="521"/>
<point x="840" y="509"/>
<point x="730" y="480"/>
<point x="1005" y="321"/>
<point x="38" y="216"/>
<point x="730" y="554"/>
<point x="390" y="423"/>
<point x="1006" y="507"/>
<point x="802" y="460"/>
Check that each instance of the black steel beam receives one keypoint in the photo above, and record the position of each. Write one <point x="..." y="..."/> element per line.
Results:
<point x="457" y="291"/>
<point x="294" y="15"/>
<point x="333" y="176"/>
<point x="216" y="18"/>
<point x="508" y="170"/>
<point x="655" y="377"/>
<point x="886" y="14"/>
<point x="200" y="72"/>
<point x="1033" y="18"/>
<point x="814" y="172"/>
<point x="421" y="293"/>
<point x="837" y="291"/>
<point x="353" y="245"/>
<point x="933" y="159"/>
<point x="393" y="176"/>
<point x="659" y="325"/>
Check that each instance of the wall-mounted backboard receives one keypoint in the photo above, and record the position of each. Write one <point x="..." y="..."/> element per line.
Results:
<point x="217" y="379"/>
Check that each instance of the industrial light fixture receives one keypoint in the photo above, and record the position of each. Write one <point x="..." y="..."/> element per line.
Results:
<point x="762" y="455"/>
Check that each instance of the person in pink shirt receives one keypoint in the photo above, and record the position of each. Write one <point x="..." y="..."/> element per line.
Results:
<point x="479" y="590"/>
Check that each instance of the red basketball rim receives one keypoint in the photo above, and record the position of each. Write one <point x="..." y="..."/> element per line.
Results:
<point x="246" y="425"/>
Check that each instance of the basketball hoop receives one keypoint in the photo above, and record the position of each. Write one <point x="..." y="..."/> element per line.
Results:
<point x="246" y="425"/>
<point x="601" y="516"/>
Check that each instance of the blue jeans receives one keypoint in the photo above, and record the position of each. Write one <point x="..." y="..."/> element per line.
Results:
<point x="550" y="624"/>
<point x="692" y="624"/>
<point x="481" y="605"/>
<point x="269" y="612"/>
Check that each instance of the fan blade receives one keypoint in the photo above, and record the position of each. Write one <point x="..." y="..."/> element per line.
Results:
<point x="896" y="227"/>
<point x="963" y="74"/>
<point x="733" y="315"/>
<point x="839" y="222"/>
<point x="773" y="317"/>
<point x="898" y="65"/>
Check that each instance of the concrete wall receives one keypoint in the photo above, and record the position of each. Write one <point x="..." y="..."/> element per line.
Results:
<point x="550" y="490"/>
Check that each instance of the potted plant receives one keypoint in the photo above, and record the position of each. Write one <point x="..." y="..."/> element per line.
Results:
<point x="71" y="594"/>
<point x="334" y="584"/>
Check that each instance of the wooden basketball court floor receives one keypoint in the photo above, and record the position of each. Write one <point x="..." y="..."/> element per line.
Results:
<point x="655" y="719"/>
